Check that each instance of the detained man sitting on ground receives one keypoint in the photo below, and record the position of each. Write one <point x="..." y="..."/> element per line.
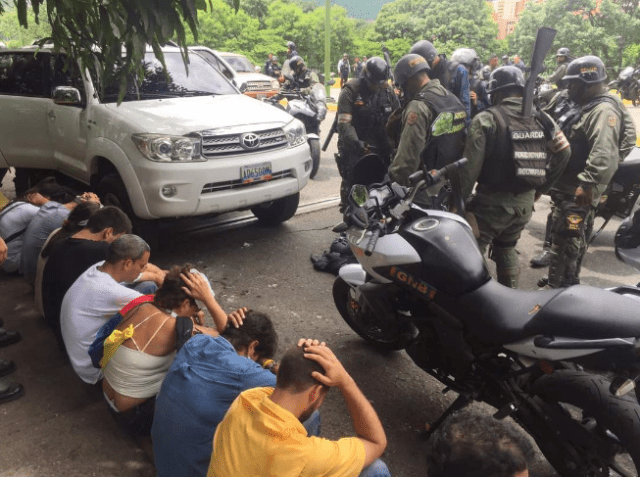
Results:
<point x="262" y="433"/>
<point x="96" y="296"/>
<point x="207" y="375"/>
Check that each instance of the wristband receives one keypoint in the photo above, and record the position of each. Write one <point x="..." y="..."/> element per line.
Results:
<point x="268" y="363"/>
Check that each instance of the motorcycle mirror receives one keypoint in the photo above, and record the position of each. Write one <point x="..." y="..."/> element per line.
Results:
<point x="330" y="82"/>
<point x="359" y="194"/>
<point x="415" y="178"/>
<point x="341" y="227"/>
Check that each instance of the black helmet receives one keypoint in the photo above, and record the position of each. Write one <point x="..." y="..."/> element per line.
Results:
<point x="408" y="66"/>
<point x="291" y="45"/>
<point x="505" y="77"/>
<point x="296" y="64"/>
<point x="563" y="52"/>
<point x="375" y="70"/>
<point x="274" y="59"/>
<point x="425" y="49"/>
<point x="588" y="69"/>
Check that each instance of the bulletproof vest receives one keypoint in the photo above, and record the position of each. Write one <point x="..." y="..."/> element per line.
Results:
<point x="344" y="68"/>
<point x="370" y="112"/>
<point x="446" y="73"/>
<point x="568" y="114"/>
<point x="519" y="158"/>
<point x="445" y="143"/>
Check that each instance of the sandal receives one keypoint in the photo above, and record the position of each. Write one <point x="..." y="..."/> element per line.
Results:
<point x="6" y="367"/>
<point x="13" y="392"/>
<point x="8" y="337"/>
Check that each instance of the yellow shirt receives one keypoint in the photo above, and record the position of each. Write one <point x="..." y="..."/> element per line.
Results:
<point x="259" y="438"/>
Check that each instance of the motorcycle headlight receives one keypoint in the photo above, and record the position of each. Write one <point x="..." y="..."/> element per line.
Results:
<point x="165" y="148"/>
<point x="295" y="133"/>
<point x="275" y="84"/>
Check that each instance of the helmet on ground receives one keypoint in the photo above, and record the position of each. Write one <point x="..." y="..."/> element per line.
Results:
<point x="425" y="49"/>
<point x="375" y="70"/>
<point x="408" y="66"/>
<point x="296" y="64"/>
<point x="340" y="245"/>
<point x="291" y="45"/>
<point x="588" y="69"/>
<point x="505" y="77"/>
<point x="563" y="52"/>
<point x="467" y="57"/>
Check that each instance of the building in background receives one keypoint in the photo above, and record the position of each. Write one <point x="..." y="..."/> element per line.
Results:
<point x="506" y="14"/>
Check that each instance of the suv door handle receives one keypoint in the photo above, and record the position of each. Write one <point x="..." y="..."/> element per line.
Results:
<point x="51" y="114"/>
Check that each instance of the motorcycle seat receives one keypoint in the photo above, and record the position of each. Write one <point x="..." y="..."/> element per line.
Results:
<point x="501" y="315"/>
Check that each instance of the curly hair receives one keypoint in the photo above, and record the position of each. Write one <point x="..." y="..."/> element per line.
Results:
<point x="171" y="295"/>
<point x="469" y="444"/>
<point x="256" y="326"/>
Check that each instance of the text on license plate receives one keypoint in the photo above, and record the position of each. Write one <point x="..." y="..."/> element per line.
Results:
<point x="259" y="172"/>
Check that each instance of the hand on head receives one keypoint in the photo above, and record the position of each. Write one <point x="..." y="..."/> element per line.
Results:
<point x="334" y="373"/>
<point x="197" y="286"/>
<point x="237" y="317"/>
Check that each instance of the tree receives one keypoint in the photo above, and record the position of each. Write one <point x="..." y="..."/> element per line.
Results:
<point x="13" y="35"/>
<point x="111" y="37"/>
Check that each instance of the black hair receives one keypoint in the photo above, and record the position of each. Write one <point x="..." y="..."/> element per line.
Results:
<point x="256" y="326"/>
<point x="469" y="444"/>
<point x="294" y="372"/>
<point x="171" y="295"/>
<point x="109" y="217"/>
<point x="49" y="188"/>
<point x="126" y="247"/>
<point x="76" y="221"/>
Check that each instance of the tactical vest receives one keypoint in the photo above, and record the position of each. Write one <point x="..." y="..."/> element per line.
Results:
<point x="370" y="113"/>
<point x="446" y="73"/>
<point x="519" y="158"/>
<point x="445" y="142"/>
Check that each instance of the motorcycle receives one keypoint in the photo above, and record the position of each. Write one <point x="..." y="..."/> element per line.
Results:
<point x="311" y="109"/>
<point x="628" y="84"/>
<point x="422" y="285"/>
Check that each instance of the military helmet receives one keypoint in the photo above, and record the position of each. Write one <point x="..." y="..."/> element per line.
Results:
<point x="408" y="66"/>
<point x="375" y="70"/>
<point x="291" y="45"/>
<point x="563" y="52"/>
<point x="296" y="64"/>
<point x="505" y="77"/>
<point x="425" y="49"/>
<point x="486" y="72"/>
<point x="588" y="69"/>
<point x="274" y="59"/>
<point x="467" y="57"/>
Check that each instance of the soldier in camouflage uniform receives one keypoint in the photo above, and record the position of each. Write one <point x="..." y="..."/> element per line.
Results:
<point x="514" y="159"/>
<point x="433" y="124"/>
<point x="364" y="106"/>
<point x="601" y="133"/>
<point x="562" y="60"/>
<point x="303" y="78"/>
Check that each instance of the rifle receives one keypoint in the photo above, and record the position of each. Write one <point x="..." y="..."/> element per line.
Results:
<point x="332" y="131"/>
<point x="541" y="47"/>
<point x="385" y="52"/>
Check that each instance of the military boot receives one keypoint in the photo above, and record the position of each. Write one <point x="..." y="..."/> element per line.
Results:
<point x="542" y="259"/>
<point x="508" y="276"/>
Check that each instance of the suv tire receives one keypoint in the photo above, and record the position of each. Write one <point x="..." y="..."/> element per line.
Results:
<point x="277" y="211"/>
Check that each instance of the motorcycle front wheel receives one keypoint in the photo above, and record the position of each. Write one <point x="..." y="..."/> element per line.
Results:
<point x="592" y="433"/>
<point x="381" y="332"/>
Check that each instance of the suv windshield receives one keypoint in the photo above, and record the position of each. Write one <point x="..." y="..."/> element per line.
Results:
<point x="203" y="79"/>
<point x="240" y="64"/>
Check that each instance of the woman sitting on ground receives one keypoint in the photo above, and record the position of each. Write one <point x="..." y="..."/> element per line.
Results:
<point x="134" y="374"/>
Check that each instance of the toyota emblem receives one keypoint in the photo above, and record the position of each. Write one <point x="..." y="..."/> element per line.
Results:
<point x="250" y="140"/>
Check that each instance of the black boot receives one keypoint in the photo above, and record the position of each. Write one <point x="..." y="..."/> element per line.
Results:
<point x="542" y="259"/>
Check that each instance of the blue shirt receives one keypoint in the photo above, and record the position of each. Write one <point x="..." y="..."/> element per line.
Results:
<point x="205" y="378"/>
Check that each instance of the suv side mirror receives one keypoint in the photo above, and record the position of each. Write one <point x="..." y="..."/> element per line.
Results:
<point x="67" y="96"/>
<point x="243" y="87"/>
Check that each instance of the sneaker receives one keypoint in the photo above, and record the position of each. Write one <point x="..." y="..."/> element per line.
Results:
<point x="13" y="392"/>
<point x="6" y="367"/>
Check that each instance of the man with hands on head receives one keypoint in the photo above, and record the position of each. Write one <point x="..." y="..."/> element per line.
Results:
<point x="262" y="433"/>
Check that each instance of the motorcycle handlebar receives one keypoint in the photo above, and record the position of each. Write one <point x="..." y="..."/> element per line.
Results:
<point x="375" y="235"/>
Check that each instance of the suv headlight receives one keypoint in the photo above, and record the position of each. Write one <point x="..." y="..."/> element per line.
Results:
<point x="165" y="148"/>
<point x="295" y="133"/>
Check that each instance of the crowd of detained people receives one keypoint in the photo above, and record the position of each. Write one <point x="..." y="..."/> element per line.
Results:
<point x="212" y="398"/>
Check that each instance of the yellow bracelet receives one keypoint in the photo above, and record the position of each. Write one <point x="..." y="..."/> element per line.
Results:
<point x="267" y="363"/>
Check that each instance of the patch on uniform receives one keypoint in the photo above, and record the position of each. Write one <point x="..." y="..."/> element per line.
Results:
<point x="344" y="118"/>
<point x="613" y="120"/>
<point x="416" y="61"/>
<point x="412" y="118"/>
<point x="573" y="222"/>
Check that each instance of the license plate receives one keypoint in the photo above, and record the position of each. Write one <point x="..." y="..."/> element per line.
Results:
<point x="260" y="172"/>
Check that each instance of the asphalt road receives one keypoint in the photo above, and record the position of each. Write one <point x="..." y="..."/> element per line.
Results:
<point x="60" y="428"/>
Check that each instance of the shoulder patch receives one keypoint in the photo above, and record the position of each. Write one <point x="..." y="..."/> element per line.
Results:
<point x="412" y="118"/>
<point x="613" y="120"/>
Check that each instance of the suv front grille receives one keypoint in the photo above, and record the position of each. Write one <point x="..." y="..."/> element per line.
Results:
<point x="237" y="184"/>
<point x="229" y="144"/>
<point x="259" y="86"/>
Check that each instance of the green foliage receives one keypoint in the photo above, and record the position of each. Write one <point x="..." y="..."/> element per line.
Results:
<point x="14" y="36"/>
<point x="582" y="27"/>
<point x="631" y="55"/>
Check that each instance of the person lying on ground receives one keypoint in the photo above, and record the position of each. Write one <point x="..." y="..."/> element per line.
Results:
<point x="262" y="433"/>
<point x="208" y="374"/>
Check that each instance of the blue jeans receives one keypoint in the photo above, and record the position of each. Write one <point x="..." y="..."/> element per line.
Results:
<point x="376" y="469"/>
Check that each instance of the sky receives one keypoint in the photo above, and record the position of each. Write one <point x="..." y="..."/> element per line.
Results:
<point x="363" y="9"/>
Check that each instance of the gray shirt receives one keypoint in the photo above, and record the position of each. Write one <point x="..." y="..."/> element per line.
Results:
<point x="14" y="220"/>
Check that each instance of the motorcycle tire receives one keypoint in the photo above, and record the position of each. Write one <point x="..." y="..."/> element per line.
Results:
<point x="314" y="146"/>
<point x="564" y="392"/>
<point x="394" y="336"/>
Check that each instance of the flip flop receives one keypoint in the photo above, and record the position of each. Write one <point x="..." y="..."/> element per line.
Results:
<point x="6" y="367"/>
<point x="13" y="392"/>
<point x="8" y="337"/>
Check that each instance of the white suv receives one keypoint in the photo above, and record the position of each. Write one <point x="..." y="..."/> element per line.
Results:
<point x="182" y="145"/>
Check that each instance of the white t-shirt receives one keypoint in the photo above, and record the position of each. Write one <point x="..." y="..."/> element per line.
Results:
<point x="92" y="299"/>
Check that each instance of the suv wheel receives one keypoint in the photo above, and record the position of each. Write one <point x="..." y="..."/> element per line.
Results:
<point x="277" y="211"/>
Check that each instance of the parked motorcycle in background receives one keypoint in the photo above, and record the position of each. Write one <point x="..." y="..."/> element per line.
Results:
<point x="422" y="285"/>
<point x="311" y="109"/>
<point x="628" y="84"/>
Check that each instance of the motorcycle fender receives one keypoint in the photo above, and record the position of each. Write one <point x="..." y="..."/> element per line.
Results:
<point x="353" y="274"/>
<point x="313" y="136"/>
